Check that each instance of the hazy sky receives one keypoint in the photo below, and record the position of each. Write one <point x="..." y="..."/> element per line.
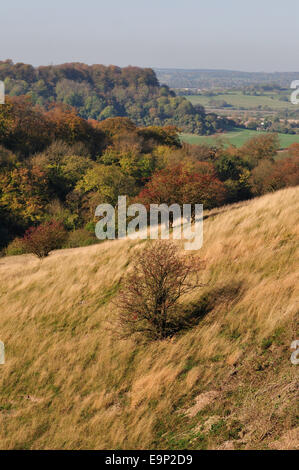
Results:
<point x="252" y="35"/>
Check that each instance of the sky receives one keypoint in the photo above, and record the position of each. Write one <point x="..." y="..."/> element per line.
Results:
<point x="252" y="35"/>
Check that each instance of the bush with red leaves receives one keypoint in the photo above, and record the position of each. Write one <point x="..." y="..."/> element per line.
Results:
<point x="45" y="238"/>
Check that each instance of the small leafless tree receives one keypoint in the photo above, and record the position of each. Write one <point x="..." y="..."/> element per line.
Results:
<point x="148" y="300"/>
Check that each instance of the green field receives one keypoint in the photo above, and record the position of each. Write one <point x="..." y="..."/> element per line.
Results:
<point x="237" y="137"/>
<point x="237" y="100"/>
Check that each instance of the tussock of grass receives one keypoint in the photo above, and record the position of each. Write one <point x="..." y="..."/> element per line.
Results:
<point x="69" y="383"/>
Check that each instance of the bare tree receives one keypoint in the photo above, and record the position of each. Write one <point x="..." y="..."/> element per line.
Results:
<point x="148" y="300"/>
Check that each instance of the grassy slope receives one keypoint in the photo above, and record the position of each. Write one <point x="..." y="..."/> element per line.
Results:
<point x="237" y="137"/>
<point x="69" y="383"/>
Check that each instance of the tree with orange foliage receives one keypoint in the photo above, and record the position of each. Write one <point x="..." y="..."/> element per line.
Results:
<point x="23" y="127"/>
<point x="294" y="149"/>
<point x="264" y="146"/>
<point x="269" y="176"/>
<point x="71" y="128"/>
<point x="182" y="185"/>
<point x="285" y="173"/>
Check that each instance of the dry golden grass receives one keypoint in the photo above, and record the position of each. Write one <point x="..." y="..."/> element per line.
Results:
<point x="69" y="383"/>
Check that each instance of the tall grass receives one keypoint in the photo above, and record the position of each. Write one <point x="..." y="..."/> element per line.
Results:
<point x="68" y="382"/>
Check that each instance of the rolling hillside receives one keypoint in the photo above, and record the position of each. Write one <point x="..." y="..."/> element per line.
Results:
<point x="70" y="383"/>
<point x="99" y="92"/>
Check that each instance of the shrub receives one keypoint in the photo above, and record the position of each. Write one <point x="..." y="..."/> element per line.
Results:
<point x="43" y="239"/>
<point x="148" y="300"/>
<point x="81" y="237"/>
<point x="16" y="247"/>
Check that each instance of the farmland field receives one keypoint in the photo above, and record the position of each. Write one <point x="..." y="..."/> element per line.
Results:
<point x="236" y="137"/>
<point x="238" y="100"/>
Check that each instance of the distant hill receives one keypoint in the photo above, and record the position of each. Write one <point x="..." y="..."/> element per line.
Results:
<point x="228" y="383"/>
<point x="201" y="78"/>
<point x="100" y="92"/>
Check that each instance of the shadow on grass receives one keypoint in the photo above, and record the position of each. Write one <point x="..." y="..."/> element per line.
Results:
<point x="190" y="315"/>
